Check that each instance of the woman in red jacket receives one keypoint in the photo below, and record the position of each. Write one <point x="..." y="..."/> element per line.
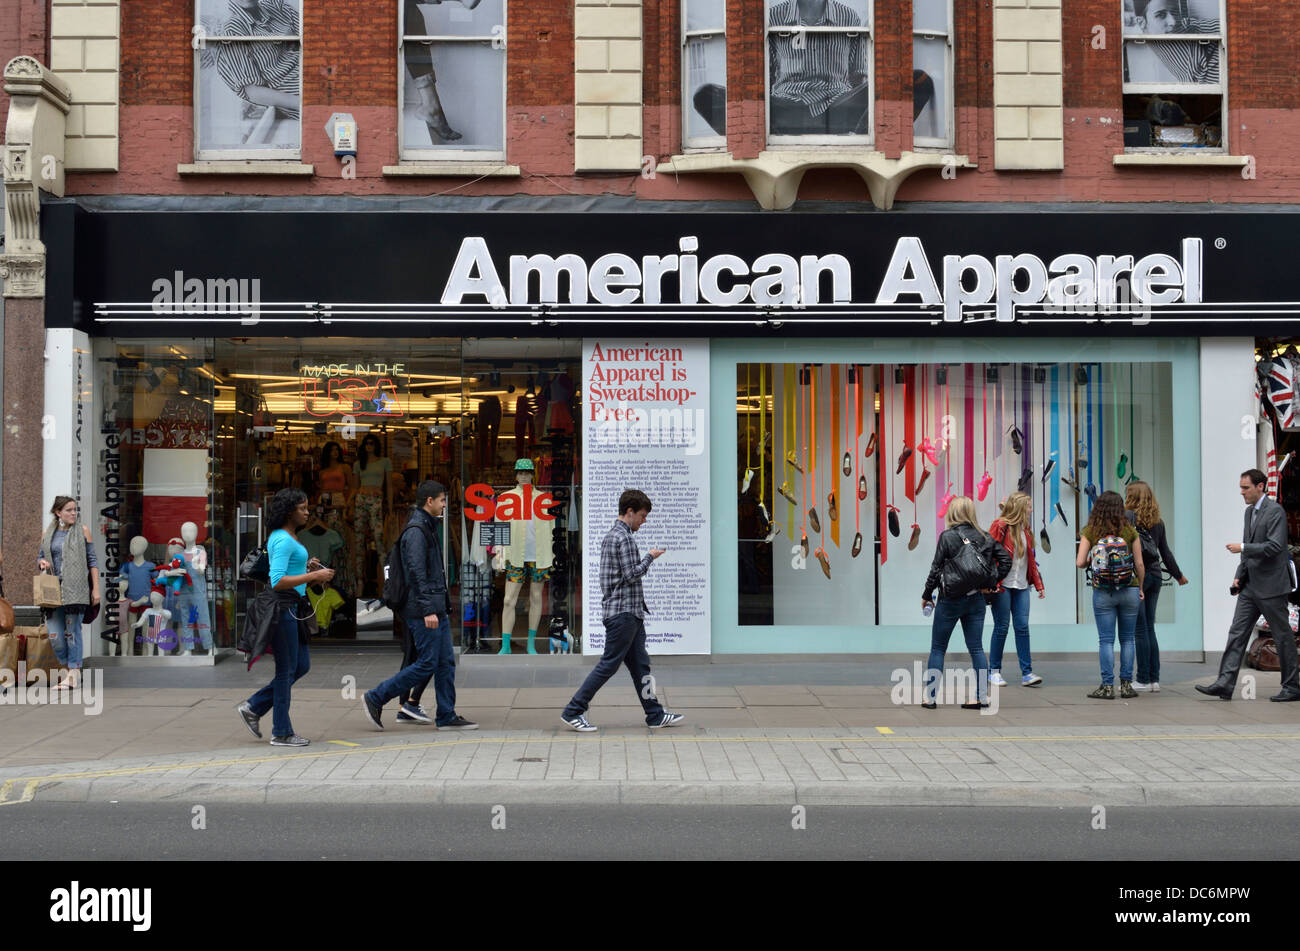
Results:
<point x="1011" y="602"/>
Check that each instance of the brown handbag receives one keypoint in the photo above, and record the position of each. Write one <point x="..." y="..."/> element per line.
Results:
<point x="6" y="617"/>
<point x="39" y="650"/>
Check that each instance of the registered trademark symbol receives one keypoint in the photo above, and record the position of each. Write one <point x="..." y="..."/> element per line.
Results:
<point x="1220" y="243"/>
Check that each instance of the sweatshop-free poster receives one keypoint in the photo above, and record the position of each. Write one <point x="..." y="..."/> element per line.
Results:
<point x="645" y="410"/>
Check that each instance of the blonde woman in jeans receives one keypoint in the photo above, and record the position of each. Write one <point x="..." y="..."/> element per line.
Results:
<point x="1011" y="600"/>
<point x="66" y="550"/>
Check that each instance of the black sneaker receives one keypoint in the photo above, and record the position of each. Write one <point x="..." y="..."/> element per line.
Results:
<point x="250" y="719"/>
<point x="412" y="713"/>
<point x="459" y="723"/>
<point x="373" y="710"/>
<point x="293" y="739"/>
<point x="668" y="719"/>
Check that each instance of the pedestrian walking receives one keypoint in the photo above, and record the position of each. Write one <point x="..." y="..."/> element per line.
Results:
<point x="425" y="614"/>
<point x="277" y="617"/>
<point x="1010" y="602"/>
<point x="1112" y="553"/>
<point x="68" y="552"/>
<point x="1144" y="512"/>
<point x="1264" y="578"/>
<point x="623" y="610"/>
<point x="967" y="562"/>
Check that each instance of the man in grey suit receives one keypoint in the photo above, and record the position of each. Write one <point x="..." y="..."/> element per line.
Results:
<point x="1264" y="579"/>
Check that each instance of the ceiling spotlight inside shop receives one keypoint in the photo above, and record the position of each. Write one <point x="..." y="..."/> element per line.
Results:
<point x="1040" y="375"/>
<point x="898" y="374"/>
<point x="296" y="363"/>
<point x="941" y="376"/>
<point x="990" y="374"/>
<point x="494" y="378"/>
<point x="152" y="379"/>
<point x="510" y="387"/>
<point x="1081" y="375"/>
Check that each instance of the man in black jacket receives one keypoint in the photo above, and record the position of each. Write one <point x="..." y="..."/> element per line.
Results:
<point x="425" y="614"/>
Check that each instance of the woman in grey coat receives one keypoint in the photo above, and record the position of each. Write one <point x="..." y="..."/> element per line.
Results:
<point x="66" y="549"/>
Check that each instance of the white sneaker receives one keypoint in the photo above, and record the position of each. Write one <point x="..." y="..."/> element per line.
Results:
<point x="1155" y="687"/>
<point x="995" y="679"/>
<point x="1138" y="685"/>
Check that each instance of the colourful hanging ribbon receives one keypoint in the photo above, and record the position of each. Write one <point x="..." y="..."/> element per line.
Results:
<point x="1056" y="439"/>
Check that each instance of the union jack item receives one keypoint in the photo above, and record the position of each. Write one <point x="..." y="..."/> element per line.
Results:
<point x="1281" y="393"/>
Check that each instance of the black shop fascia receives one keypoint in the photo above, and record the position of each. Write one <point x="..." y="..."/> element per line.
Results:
<point x="542" y="274"/>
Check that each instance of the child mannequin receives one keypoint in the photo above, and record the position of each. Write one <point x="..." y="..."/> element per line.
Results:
<point x="154" y="620"/>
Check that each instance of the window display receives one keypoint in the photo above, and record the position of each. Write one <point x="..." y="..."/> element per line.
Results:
<point x="846" y="472"/>
<point x="198" y="436"/>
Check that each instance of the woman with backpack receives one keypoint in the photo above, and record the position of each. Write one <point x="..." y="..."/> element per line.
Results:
<point x="1011" y="600"/>
<point x="1144" y="512"/>
<point x="966" y="563"/>
<point x="1111" y="551"/>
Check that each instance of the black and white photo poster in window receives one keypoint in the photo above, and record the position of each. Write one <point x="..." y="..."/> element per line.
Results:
<point x="705" y="55"/>
<point x="453" y="76"/>
<point x="1152" y="55"/>
<point x="250" y="77"/>
<point x="818" y="63"/>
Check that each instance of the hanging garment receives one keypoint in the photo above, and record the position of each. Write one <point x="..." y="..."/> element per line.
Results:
<point x="1281" y="393"/>
<point x="524" y="412"/>
<point x="489" y="428"/>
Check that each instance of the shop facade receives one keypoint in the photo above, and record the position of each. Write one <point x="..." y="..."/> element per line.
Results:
<point x="819" y="376"/>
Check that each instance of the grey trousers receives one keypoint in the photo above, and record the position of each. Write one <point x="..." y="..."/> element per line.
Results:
<point x="1249" y="608"/>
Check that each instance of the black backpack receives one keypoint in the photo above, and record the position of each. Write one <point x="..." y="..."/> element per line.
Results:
<point x="1150" y="551"/>
<point x="396" y="590"/>
<point x="970" y="569"/>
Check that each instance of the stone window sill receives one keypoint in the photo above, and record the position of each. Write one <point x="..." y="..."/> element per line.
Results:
<point x="246" y="168"/>
<point x="1176" y="159"/>
<point x="458" y="169"/>
<point x="774" y="176"/>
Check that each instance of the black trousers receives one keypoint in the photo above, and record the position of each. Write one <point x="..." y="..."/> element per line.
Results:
<point x="1249" y="608"/>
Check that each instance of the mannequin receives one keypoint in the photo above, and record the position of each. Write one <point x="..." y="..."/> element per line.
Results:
<point x="528" y="558"/>
<point x="134" y="581"/>
<point x="369" y="504"/>
<point x="153" y="621"/>
<point x="194" y="622"/>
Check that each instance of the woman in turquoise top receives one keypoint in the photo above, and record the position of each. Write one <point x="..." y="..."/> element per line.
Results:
<point x="290" y="576"/>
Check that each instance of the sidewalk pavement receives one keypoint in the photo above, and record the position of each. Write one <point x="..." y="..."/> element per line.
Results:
<point x="762" y="743"/>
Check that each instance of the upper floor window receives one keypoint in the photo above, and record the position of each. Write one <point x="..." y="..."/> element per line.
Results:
<point x="1174" y="83"/>
<point x="819" y="65"/>
<point x="453" y="87"/>
<point x="704" y="73"/>
<point x="932" y="73"/>
<point x="248" y="88"/>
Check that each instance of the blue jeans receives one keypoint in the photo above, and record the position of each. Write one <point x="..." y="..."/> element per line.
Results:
<point x="624" y="646"/>
<point x="1011" y="605"/>
<point x="947" y="612"/>
<point x="64" y="627"/>
<point x="1106" y="607"/>
<point x="1144" y="633"/>
<point x="292" y="661"/>
<point x="434" y="658"/>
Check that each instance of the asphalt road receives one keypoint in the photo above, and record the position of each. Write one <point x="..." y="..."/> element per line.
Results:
<point x="166" y="831"/>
